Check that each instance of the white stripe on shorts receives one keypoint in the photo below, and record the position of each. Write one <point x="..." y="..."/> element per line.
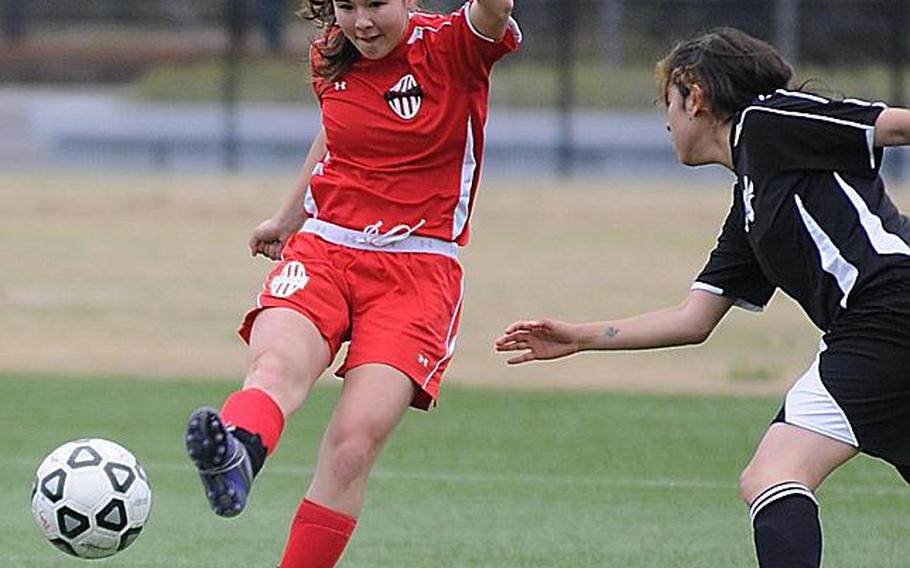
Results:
<point x="809" y="405"/>
<point x="450" y="338"/>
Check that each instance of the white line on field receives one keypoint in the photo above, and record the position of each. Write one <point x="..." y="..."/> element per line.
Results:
<point x="171" y="561"/>
<point x="592" y="481"/>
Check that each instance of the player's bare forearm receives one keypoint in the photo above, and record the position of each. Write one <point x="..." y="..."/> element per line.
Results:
<point x="490" y="17"/>
<point x="689" y="323"/>
<point x="892" y="128"/>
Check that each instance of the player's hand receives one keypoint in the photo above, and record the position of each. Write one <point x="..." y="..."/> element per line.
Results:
<point x="269" y="238"/>
<point x="539" y="340"/>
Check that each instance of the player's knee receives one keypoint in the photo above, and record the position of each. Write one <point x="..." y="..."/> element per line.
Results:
<point x="759" y="476"/>
<point x="352" y="457"/>
<point x="274" y="374"/>
<point x="751" y="483"/>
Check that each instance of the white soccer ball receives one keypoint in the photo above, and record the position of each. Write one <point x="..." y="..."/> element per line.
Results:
<point x="91" y="498"/>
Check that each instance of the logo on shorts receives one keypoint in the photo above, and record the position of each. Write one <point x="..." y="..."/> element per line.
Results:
<point x="405" y="97"/>
<point x="291" y="279"/>
<point x="423" y="360"/>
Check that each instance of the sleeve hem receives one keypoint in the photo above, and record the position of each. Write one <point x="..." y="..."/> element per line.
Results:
<point x="738" y="302"/>
<point x="511" y="27"/>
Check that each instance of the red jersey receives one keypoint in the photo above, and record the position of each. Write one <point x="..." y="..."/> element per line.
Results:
<point x="405" y="134"/>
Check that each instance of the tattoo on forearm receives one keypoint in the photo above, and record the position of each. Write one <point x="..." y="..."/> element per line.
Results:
<point x="611" y="331"/>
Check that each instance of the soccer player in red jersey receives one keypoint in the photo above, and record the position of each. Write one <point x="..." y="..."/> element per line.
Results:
<point x="367" y="241"/>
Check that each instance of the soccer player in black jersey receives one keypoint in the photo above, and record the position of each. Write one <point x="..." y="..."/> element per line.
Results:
<point x="810" y="216"/>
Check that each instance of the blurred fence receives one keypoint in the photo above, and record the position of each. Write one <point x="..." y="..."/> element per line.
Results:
<point x="223" y="83"/>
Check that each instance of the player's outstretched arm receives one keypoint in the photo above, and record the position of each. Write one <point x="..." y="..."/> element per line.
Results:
<point x="689" y="323"/>
<point x="490" y="17"/>
<point x="269" y="236"/>
<point x="892" y="128"/>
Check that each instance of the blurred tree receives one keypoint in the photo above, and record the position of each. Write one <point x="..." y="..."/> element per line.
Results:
<point x="271" y="18"/>
<point x="786" y="26"/>
<point x="14" y="21"/>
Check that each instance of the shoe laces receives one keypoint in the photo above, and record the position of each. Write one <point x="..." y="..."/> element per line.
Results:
<point x="237" y="458"/>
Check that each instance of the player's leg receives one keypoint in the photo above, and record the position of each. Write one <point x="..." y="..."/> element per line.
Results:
<point x="779" y="484"/>
<point x="373" y="400"/>
<point x="286" y="356"/>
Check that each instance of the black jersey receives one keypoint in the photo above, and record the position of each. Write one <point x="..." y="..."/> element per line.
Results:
<point x="810" y="215"/>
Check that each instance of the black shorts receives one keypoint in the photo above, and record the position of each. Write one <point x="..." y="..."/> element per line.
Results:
<point x="858" y="389"/>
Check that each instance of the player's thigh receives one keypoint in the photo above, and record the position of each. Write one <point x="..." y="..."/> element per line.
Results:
<point x="287" y="354"/>
<point x="373" y="400"/>
<point x="791" y="453"/>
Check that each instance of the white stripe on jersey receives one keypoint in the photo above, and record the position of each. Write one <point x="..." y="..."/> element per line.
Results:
<point x="832" y="261"/>
<point x="309" y="202"/>
<point x="882" y="241"/>
<point x="866" y="103"/>
<point x="869" y="130"/>
<point x="801" y="95"/>
<point x="417" y="34"/>
<point x="823" y="100"/>
<point x="468" y="168"/>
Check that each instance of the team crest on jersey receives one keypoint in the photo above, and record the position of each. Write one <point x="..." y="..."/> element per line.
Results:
<point x="292" y="278"/>
<point x="405" y="97"/>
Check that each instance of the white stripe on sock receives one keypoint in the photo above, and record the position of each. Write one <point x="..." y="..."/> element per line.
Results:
<point x="776" y="492"/>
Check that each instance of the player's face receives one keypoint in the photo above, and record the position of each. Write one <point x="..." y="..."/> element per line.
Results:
<point x="375" y="27"/>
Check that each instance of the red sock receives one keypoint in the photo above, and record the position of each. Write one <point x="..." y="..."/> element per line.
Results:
<point x="257" y="413"/>
<point x="317" y="538"/>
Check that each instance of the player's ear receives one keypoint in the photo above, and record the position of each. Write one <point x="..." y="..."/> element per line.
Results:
<point x="697" y="102"/>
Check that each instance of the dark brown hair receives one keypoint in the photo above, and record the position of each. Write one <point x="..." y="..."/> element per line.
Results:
<point x="336" y="52"/>
<point x="731" y="67"/>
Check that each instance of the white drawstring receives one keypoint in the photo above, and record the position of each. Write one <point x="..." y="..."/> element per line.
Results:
<point x="372" y="236"/>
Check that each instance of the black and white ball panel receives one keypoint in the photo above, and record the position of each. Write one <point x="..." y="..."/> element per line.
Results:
<point x="91" y="498"/>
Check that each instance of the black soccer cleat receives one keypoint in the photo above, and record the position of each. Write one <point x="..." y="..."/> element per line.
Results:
<point x="221" y="460"/>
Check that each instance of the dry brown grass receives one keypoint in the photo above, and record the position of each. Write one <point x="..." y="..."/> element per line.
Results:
<point x="150" y="275"/>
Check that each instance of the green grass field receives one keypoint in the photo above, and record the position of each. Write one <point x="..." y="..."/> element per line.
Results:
<point x="490" y="479"/>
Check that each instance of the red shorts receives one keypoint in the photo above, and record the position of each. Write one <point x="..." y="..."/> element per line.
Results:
<point x="396" y="308"/>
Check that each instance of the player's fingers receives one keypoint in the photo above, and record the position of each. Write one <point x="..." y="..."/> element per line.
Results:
<point x="523" y="358"/>
<point x="274" y="250"/>
<point x="516" y="345"/>
<point x="528" y="325"/>
<point x="504" y="340"/>
<point x="511" y="338"/>
<point x="263" y="247"/>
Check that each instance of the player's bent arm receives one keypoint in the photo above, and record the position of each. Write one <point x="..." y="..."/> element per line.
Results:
<point x="270" y="236"/>
<point x="490" y="17"/>
<point x="892" y="127"/>
<point x="689" y="323"/>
